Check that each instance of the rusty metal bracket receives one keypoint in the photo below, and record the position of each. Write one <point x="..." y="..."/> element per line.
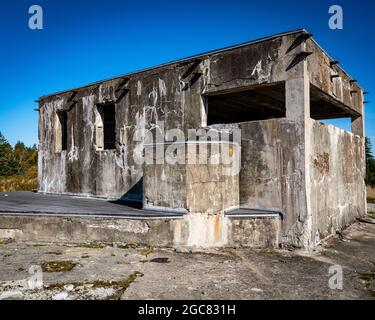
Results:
<point x="122" y="83"/>
<point x="193" y="79"/>
<point x="298" y="58"/>
<point x="123" y="92"/>
<point x="332" y="63"/>
<point x="190" y="70"/>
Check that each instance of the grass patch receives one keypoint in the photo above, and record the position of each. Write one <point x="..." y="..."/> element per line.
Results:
<point x="119" y="285"/>
<point x="147" y="251"/>
<point x="93" y="245"/>
<point x="18" y="183"/>
<point x="127" y="246"/>
<point x="370" y="194"/>
<point x="58" y="266"/>
<point x="113" y="254"/>
<point x="6" y="241"/>
<point x="123" y="284"/>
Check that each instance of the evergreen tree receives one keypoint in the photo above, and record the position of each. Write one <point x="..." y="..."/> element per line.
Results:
<point x="370" y="163"/>
<point x="9" y="164"/>
<point x="368" y="148"/>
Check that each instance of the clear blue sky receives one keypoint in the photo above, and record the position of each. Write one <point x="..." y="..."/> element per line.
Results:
<point x="85" y="41"/>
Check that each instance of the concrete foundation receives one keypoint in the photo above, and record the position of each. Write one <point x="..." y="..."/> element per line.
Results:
<point x="193" y="231"/>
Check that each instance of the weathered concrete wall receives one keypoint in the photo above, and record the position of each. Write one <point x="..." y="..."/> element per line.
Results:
<point x="275" y="153"/>
<point x="168" y="93"/>
<point x="337" y="188"/>
<point x="270" y="176"/>
<point x="82" y="169"/>
<point x="201" y="190"/>
<point x="340" y="88"/>
<point x="254" y="232"/>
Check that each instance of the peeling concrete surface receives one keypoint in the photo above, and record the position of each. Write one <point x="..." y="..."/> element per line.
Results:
<point x="207" y="274"/>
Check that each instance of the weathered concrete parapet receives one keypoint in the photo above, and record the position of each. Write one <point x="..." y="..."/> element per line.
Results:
<point x="337" y="171"/>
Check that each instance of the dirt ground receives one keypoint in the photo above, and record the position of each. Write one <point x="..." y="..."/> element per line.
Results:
<point x="109" y="271"/>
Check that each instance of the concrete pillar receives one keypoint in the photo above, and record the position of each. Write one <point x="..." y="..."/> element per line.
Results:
<point x="297" y="102"/>
<point x="358" y="124"/>
<point x="297" y="96"/>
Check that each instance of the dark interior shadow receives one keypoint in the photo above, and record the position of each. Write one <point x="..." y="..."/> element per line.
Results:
<point x="133" y="198"/>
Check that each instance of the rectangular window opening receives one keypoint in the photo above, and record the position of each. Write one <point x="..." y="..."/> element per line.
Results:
<point x="109" y="124"/>
<point x="325" y="109"/>
<point x="62" y="131"/>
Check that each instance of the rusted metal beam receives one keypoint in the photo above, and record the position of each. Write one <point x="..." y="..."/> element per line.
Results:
<point x="332" y="63"/>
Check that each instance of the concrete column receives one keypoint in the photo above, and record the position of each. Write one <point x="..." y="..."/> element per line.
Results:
<point x="297" y="102"/>
<point x="358" y="124"/>
<point x="297" y="96"/>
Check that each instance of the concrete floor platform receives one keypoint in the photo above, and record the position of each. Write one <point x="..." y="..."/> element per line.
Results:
<point x="204" y="274"/>
<point x="32" y="203"/>
<point x="27" y="216"/>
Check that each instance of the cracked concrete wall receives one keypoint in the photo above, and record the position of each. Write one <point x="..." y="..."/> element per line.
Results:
<point x="272" y="174"/>
<point x="338" y="192"/>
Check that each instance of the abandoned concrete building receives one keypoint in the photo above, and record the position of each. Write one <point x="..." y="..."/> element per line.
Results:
<point x="300" y="180"/>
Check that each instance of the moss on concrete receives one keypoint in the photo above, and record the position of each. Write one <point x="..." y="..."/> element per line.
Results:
<point x="57" y="266"/>
<point x="147" y="251"/>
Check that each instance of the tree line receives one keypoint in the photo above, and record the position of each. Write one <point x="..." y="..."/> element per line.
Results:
<point x="17" y="160"/>
<point x="370" y="164"/>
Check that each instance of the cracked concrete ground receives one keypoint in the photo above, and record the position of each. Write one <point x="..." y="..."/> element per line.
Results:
<point x="126" y="272"/>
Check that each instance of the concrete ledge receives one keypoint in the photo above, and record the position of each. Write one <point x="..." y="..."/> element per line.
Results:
<point x="27" y="228"/>
<point x="190" y="231"/>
